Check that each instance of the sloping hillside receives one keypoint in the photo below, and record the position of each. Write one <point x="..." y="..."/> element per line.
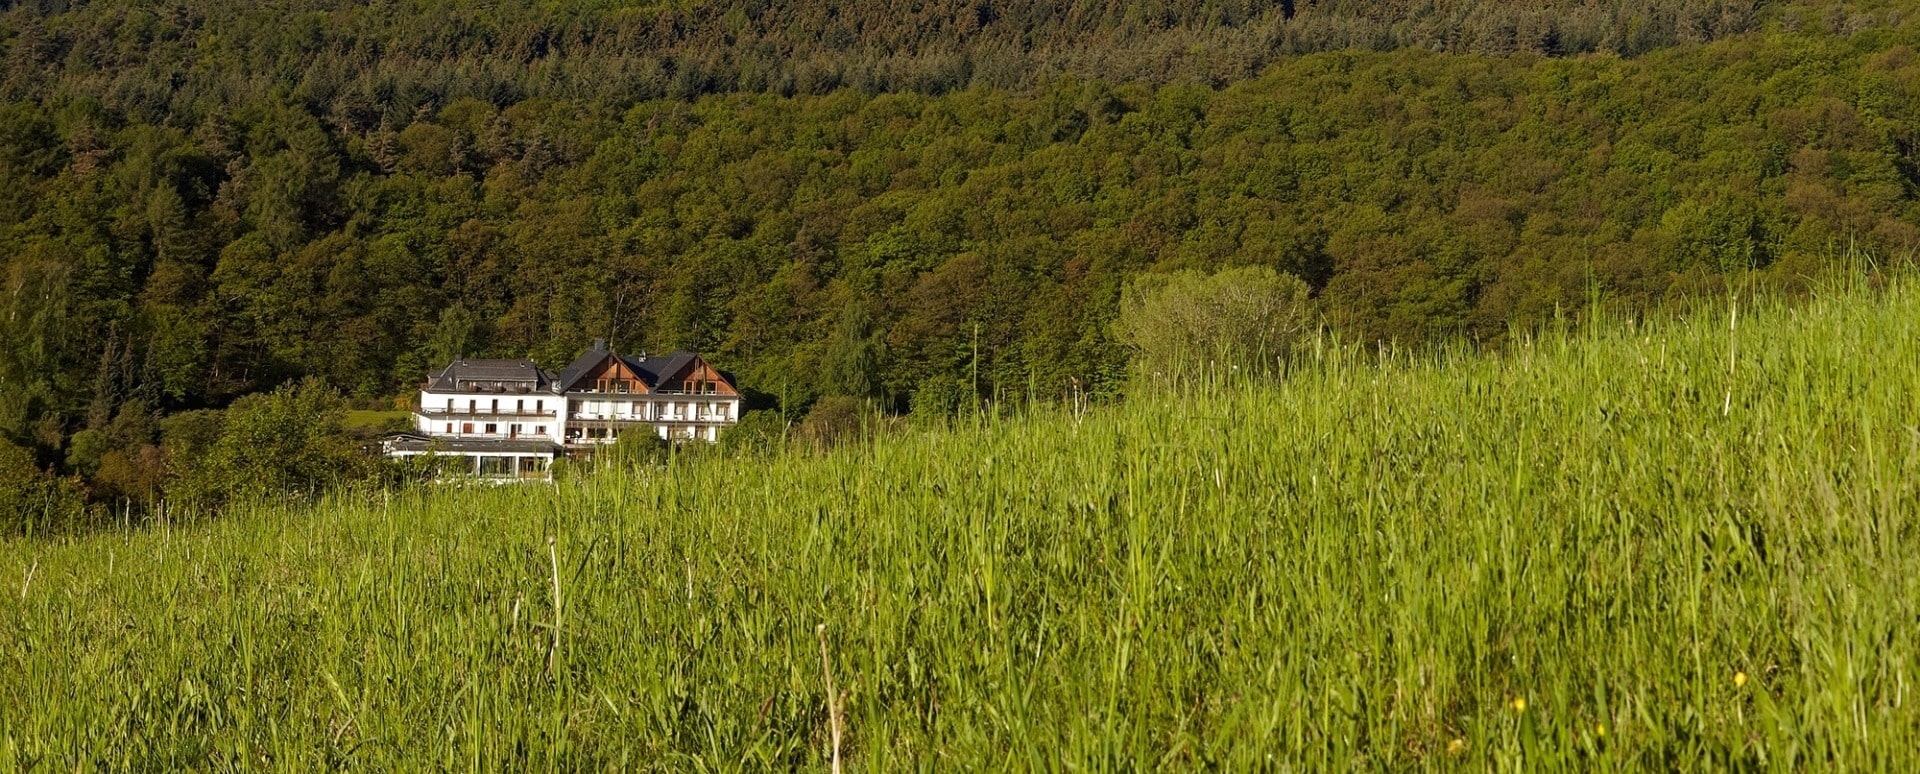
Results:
<point x="1679" y="545"/>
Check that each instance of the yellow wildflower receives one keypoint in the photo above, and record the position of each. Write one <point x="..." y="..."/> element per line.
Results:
<point x="1739" y="679"/>
<point x="1456" y="746"/>
<point x="1519" y="704"/>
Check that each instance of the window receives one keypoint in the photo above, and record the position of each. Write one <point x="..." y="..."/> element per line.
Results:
<point x="519" y="407"/>
<point x="470" y="405"/>
<point x="466" y="428"/>
<point x="496" y="406"/>
<point x="539" y="429"/>
<point x="492" y="429"/>
<point x="449" y="428"/>
<point x="513" y="430"/>
<point x="539" y="407"/>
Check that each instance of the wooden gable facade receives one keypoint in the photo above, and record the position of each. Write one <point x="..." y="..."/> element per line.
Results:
<point x="697" y="377"/>
<point x="612" y="375"/>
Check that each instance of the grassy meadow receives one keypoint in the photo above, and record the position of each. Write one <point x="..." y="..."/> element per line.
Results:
<point x="1686" y="544"/>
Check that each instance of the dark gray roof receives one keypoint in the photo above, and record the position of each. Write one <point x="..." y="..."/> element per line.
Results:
<point x="506" y="376"/>
<point x="658" y="369"/>
<point x="652" y="370"/>
<point x="415" y="443"/>
<point x="581" y="365"/>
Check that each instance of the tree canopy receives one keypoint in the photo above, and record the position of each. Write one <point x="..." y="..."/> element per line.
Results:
<point x="1188" y="326"/>
<point x="206" y="200"/>
<point x="363" y="62"/>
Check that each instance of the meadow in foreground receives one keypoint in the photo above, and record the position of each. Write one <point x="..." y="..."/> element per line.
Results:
<point x="1691" y="544"/>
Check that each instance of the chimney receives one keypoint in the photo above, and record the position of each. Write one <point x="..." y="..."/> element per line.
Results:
<point x="599" y="345"/>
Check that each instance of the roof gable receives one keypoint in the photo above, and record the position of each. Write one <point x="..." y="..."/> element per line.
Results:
<point x="670" y="372"/>
<point x="577" y="371"/>
<point x="684" y="371"/>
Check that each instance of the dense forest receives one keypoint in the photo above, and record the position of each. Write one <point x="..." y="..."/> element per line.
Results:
<point x="359" y="62"/>
<point x="207" y="200"/>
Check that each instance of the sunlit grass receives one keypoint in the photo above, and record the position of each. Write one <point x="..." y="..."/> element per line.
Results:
<point x="360" y="419"/>
<point x="1684" y="546"/>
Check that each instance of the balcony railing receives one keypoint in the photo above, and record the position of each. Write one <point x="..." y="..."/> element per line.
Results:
<point x="500" y="436"/>
<point x="578" y="417"/>
<point x="448" y="413"/>
<point x="652" y="420"/>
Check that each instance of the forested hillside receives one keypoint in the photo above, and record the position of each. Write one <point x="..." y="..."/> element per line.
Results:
<point x="355" y="60"/>
<point x="203" y="200"/>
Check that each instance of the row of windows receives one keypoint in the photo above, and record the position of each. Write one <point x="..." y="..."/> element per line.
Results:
<point x="625" y="386"/>
<point x="675" y="409"/>
<point x="606" y="433"/>
<point x="540" y="406"/>
<point x="513" y="430"/>
<point x="491" y="428"/>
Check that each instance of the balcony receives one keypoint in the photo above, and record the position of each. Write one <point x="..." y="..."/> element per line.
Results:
<point x="636" y="419"/>
<point x="471" y="413"/>
<point x="500" y="436"/>
<point x="693" y="418"/>
<point x="581" y="417"/>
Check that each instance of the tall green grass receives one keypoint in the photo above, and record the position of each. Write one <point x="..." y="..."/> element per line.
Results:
<point x="1685" y="545"/>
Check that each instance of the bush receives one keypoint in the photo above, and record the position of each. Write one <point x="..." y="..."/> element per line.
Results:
<point x="636" y="447"/>
<point x="834" y="420"/>
<point x="287" y="442"/>
<point x="120" y="461"/>
<point x="1245" y="320"/>
<point x="30" y="500"/>
<point x="758" y="432"/>
<point x="938" y="398"/>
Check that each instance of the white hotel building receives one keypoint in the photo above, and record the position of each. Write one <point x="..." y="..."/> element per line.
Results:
<point x="512" y="419"/>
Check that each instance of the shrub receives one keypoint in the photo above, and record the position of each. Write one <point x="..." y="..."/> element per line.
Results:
<point x="287" y="442"/>
<point x="32" y="501"/>
<point x="757" y="432"/>
<point x="834" y="420"/>
<point x="636" y="447"/>
<point x="938" y="398"/>
<point x="1244" y="320"/>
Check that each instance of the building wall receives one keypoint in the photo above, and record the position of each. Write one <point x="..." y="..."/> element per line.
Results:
<point x="448" y="414"/>
<point x="469" y="415"/>
<point x="588" y="413"/>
